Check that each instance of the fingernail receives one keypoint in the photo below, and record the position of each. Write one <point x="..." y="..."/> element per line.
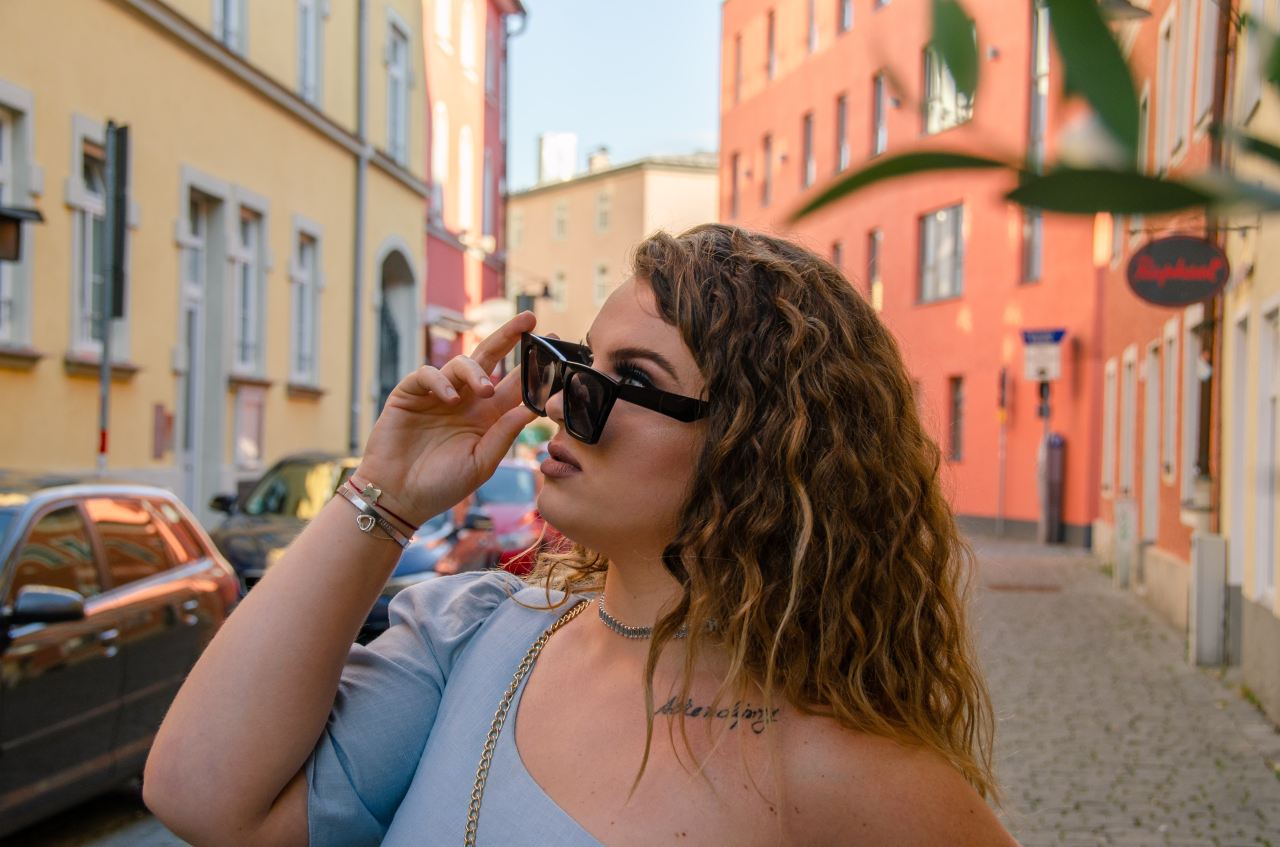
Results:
<point x="484" y="381"/>
<point x="450" y="393"/>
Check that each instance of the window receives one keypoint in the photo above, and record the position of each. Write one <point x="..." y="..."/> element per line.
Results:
<point x="812" y="41"/>
<point x="248" y="262"/>
<point x="1117" y="238"/>
<point x="604" y="204"/>
<point x="1109" y="427"/>
<point x="766" y="183"/>
<point x="184" y="541"/>
<point x="560" y="221"/>
<point x="809" y="168"/>
<point x="874" y="243"/>
<point x="771" y="60"/>
<point x="466" y="180"/>
<point x="487" y="200"/>
<point x="880" y="4"/>
<point x="440" y="145"/>
<point x="601" y="286"/>
<point x="309" y="63"/>
<point x="845" y="21"/>
<point x="131" y="540"/>
<point x="1164" y="97"/>
<point x="559" y="291"/>
<point x="444" y="24"/>
<point x="297" y="489"/>
<point x="1251" y="85"/>
<point x="734" y="188"/>
<point x="737" y="68"/>
<point x="467" y="37"/>
<point x="398" y="93"/>
<point x="1032" y="245"/>
<point x="8" y="300"/>
<point x="491" y="57"/>
<point x="842" y="132"/>
<point x="1128" y="419"/>
<point x="229" y="24"/>
<point x="56" y="553"/>
<point x="837" y="254"/>
<point x="1185" y="68"/>
<point x="1194" y="369"/>
<point x="1038" y="123"/>
<point x="249" y="414"/>
<point x="515" y="229"/>
<point x="1168" y="452"/>
<point x="1208" y="59"/>
<point x="90" y="249"/>
<point x="942" y="254"/>
<point x="944" y="106"/>
<point x="955" y="386"/>
<point x="1136" y="222"/>
<point x="879" y="116"/>
<point x="304" y="283"/>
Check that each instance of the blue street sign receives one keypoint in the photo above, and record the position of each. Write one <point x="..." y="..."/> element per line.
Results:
<point x="1043" y="336"/>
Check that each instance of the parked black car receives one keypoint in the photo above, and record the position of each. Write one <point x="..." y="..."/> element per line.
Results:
<point x="261" y="524"/>
<point x="108" y="594"/>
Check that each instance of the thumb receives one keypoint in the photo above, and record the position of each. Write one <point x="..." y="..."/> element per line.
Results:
<point x="499" y="437"/>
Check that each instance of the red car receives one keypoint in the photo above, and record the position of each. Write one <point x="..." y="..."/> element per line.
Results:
<point x="510" y="499"/>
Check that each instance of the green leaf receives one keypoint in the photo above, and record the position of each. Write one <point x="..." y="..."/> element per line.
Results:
<point x="1076" y="191"/>
<point x="903" y="164"/>
<point x="1096" y="67"/>
<point x="1247" y="143"/>
<point x="955" y="40"/>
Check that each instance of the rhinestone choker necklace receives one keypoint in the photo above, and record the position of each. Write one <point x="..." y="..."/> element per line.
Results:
<point x="637" y="632"/>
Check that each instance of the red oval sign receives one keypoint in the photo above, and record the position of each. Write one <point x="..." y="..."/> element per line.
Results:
<point x="1178" y="271"/>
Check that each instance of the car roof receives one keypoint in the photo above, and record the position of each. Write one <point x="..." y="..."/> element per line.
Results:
<point x="22" y="489"/>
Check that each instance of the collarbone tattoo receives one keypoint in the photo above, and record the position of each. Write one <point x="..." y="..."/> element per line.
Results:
<point x="757" y="718"/>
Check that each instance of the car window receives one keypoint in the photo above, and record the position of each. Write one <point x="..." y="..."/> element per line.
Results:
<point x="294" y="490"/>
<point x="508" y="485"/>
<point x="133" y="543"/>
<point x="57" y="552"/>
<point x="6" y="521"/>
<point x="184" y="542"/>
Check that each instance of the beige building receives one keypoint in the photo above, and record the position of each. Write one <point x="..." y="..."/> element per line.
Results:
<point x="572" y="240"/>
<point x="277" y="200"/>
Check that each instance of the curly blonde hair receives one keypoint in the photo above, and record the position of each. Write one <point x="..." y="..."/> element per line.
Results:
<point x="839" y="584"/>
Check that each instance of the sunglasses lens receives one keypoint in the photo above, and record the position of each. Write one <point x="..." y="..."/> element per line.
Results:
<point x="539" y="375"/>
<point x="584" y="397"/>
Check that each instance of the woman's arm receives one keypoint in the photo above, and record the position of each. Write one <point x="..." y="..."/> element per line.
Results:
<point x="226" y="764"/>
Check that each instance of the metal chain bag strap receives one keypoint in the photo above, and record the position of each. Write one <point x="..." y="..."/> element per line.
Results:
<point x="495" y="729"/>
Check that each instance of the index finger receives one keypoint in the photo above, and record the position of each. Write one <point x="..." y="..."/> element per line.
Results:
<point x="489" y="353"/>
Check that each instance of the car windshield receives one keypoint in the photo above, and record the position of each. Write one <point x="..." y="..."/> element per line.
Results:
<point x="295" y="489"/>
<point x="508" y="485"/>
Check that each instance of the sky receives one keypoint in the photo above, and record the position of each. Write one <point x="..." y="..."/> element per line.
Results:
<point x="639" y="78"/>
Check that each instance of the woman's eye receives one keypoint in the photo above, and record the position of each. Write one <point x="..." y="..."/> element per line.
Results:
<point x="632" y="374"/>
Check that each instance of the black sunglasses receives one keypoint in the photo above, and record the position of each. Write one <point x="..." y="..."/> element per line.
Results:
<point x="548" y="365"/>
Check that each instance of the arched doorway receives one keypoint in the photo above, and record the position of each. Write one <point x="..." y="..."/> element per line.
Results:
<point x="397" y="324"/>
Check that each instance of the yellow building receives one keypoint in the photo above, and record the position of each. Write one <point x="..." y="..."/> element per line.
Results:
<point x="275" y="245"/>
<point x="572" y="240"/>
<point x="1250" y="369"/>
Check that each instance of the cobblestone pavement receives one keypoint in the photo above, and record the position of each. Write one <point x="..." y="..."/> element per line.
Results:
<point x="1105" y="735"/>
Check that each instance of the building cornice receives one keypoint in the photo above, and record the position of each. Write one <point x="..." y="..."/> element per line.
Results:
<point x="162" y="16"/>
<point x="656" y="163"/>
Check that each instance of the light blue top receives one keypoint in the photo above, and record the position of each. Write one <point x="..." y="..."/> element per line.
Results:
<point x="397" y="761"/>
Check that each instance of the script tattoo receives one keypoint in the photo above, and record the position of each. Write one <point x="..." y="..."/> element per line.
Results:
<point x="757" y="718"/>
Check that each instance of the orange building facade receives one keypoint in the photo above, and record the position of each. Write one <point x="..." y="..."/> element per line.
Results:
<point x="810" y="89"/>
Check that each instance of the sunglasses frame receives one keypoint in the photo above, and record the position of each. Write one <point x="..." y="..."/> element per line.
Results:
<point x="571" y="359"/>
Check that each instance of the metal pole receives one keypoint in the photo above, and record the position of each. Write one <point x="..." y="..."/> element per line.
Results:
<point x="103" y="259"/>
<point x="362" y="167"/>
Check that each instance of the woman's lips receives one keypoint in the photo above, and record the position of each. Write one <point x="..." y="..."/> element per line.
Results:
<point x="560" y="462"/>
<point x="561" y="454"/>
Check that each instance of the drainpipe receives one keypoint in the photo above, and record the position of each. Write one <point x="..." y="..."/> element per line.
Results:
<point x="362" y="168"/>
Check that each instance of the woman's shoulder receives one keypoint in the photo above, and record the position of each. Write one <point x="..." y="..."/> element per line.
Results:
<point x="844" y="781"/>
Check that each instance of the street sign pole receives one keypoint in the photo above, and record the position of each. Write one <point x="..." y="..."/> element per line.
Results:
<point x="110" y="257"/>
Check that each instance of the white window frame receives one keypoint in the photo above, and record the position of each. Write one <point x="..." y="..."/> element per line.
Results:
<point x="771" y="46"/>
<point x="1207" y="59"/>
<point x="256" y="260"/>
<point x="811" y="39"/>
<point x="1169" y="397"/>
<point x="85" y="206"/>
<point x="604" y="210"/>
<point x="944" y="106"/>
<point x="875" y="273"/>
<point x="1128" y="420"/>
<point x="466" y="179"/>
<point x="440" y="151"/>
<point x="1039" y="120"/>
<point x="842" y="132"/>
<point x="1192" y="318"/>
<point x="311" y="17"/>
<point x="600" y="285"/>
<point x="735" y="185"/>
<point x="8" y="296"/>
<point x="560" y="220"/>
<point x="231" y="25"/>
<point x="1185" y="71"/>
<point x="1251" y="83"/>
<point x="248" y="425"/>
<point x="737" y="68"/>
<point x="488" y="202"/>
<point x="467" y="39"/>
<point x="444" y="24"/>
<point x="399" y="67"/>
<point x="766" y="180"/>
<point x="1137" y="222"/>
<point x="844" y="17"/>
<point x="809" y="161"/>
<point x="935" y="228"/>
<point x="1265" y="450"/>
<point x="491" y="56"/>
<point x="1166" y="111"/>
<point x="23" y="184"/>
<point x="1109" y="396"/>
<point x="559" y="291"/>
<point x="879" y="114"/>
<point x="306" y="284"/>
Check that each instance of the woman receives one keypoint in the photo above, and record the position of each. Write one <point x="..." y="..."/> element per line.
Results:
<point x="758" y="636"/>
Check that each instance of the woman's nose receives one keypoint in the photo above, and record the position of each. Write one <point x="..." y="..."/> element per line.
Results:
<point x="555" y="407"/>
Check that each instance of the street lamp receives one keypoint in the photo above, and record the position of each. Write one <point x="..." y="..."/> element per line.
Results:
<point x="11" y="219"/>
<point x="1122" y="10"/>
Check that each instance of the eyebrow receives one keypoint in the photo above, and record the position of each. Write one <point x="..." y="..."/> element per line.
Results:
<point x="643" y="353"/>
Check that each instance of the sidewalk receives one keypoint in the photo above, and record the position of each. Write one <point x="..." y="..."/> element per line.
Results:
<point x="1105" y="736"/>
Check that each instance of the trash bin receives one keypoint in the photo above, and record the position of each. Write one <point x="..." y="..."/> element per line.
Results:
<point x="1052" y="473"/>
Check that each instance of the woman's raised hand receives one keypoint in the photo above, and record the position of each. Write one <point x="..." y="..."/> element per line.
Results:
<point x="443" y="431"/>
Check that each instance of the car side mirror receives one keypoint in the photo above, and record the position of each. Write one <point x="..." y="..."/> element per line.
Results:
<point x="478" y="521"/>
<point x="223" y="503"/>
<point x="45" y="604"/>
